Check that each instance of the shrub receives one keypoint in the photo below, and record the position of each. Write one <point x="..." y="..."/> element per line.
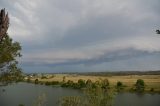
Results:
<point x="140" y="85"/>
<point x="69" y="83"/>
<point x="119" y="84"/>
<point x="88" y="82"/>
<point x="91" y="97"/>
<point x="105" y="83"/>
<point x="55" y="82"/>
<point x="81" y="83"/>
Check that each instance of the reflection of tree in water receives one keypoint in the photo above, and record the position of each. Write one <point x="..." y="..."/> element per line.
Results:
<point x="41" y="100"/>
<point x="97" y="95"/>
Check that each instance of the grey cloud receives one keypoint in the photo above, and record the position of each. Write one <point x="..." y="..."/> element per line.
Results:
<point x="117" y="55"/>
<point x="54" y="25"/>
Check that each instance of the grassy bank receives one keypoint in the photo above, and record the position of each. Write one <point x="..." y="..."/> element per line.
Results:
<point x="152" y="82"/>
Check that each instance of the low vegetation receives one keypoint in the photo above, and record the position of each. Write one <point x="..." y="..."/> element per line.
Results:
<point x="120" y="83"/>
<point x="140" y="85"/>
<point x="99" y="95"/>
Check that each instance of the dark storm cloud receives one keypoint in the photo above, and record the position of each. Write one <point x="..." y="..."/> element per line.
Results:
<point x="117" y="55"/>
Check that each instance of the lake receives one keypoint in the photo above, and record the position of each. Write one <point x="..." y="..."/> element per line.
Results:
<point x="24" y="93"/>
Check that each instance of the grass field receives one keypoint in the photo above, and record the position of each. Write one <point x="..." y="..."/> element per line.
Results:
<point x="151" y="81"/>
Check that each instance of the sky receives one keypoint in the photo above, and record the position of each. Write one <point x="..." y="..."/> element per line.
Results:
<point x="85" y="35"/>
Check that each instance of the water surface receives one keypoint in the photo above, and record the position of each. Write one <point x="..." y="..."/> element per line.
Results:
<point x="24" y="93"/>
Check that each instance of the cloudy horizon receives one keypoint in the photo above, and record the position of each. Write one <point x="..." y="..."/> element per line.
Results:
<point x="85" y="35"/>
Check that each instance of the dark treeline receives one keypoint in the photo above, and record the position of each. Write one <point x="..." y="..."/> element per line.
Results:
<point x="119" y="73"/>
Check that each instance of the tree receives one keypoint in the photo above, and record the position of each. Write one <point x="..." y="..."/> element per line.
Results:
<point x="4" y="24"/>
<point x="119" y="84"/>
<point x="140" y="85"/>
<point x="9" y="52"/>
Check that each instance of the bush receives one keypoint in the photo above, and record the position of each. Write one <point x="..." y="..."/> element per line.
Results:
<point x="55" y="82"/>
<point x="81" y="83"/>
<point x="88" y="82"/>
<point x="105" y="83"/>
<point x="76" y="86"/>
<point x="91" y="97"/>
<point x="69" y="83"/>
<point x="119" y="84"/>
<point x="140" y="85"/>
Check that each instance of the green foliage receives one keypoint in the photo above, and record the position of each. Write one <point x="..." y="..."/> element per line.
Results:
<point x="140" y="85"/>
<point x="92" y="97"/>
<point x="105" y="83"/>
<point x="95" y="94"/>
<point x="119" y="84"/>
<point x="99" y="97"/>
<point x="69" y="83"/>
<point x="55" y="82"/>
<point x="81" y="83"/>
<point x="9" y="51"/>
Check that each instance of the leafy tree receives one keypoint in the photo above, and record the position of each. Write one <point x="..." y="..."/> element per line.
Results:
<point x="9" y="51"/>
<point x="140" y="85"/>
<point x="119" y="84"/>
